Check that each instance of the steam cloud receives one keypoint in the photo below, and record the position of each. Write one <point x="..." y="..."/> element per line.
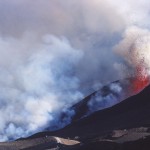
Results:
<point x="32" y="91"/>
<point x="53" y="52"/>
<point x="135" y="47"/>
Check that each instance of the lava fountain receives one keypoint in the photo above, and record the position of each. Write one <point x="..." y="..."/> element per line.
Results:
<point x="140" y="81"/>
<point x="135" y="49"/>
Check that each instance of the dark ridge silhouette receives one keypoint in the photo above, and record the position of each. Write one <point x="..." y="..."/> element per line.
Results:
<point x="125" y="126"/>
<point x="130" y="113"/>
<point x="82" y="109"/>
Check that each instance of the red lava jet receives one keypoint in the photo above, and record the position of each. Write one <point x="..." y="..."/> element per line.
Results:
<point x="140" y="81"/>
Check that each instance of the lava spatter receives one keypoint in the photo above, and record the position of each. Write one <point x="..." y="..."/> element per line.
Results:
<point x="140" y="81"/>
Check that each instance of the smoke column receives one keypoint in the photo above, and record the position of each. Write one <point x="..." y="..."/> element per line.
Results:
<point x="135" y="48"/>
<point x="53" y="52"/>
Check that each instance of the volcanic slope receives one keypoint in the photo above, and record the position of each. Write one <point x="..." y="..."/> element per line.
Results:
<point x="130" y="113"/>
<point x="125" y="126"/>
<point x="105" y="97"/>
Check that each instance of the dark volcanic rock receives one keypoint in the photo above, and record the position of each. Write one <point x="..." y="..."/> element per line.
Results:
<point x="131" y="113"/>
<point x="124" y="126"/>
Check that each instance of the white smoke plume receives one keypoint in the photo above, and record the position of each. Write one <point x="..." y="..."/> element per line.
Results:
<point x="52" y="52"/>
<point x="135" y="48"/>
<point x="35" y="89"/>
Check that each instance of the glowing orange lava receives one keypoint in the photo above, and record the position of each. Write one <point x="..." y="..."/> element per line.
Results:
<point x="140" y="81"/>
<point x="139" y="84"/>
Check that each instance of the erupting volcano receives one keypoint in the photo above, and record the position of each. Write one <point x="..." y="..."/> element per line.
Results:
<point x="62" y="61"/>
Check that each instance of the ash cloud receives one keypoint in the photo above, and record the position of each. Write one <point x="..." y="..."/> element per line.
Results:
<point x="53" y="52"/>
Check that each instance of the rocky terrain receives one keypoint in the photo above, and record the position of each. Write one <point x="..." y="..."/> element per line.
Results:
<point x="125" y="126"/>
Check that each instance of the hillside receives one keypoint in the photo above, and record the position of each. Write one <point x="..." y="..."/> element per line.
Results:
<point x="125" y="126"/>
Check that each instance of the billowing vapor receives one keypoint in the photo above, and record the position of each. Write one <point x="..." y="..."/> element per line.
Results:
<point x="135" y="48"/>
<point x="32" y="90"/>
<point x="53" y="53"/>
